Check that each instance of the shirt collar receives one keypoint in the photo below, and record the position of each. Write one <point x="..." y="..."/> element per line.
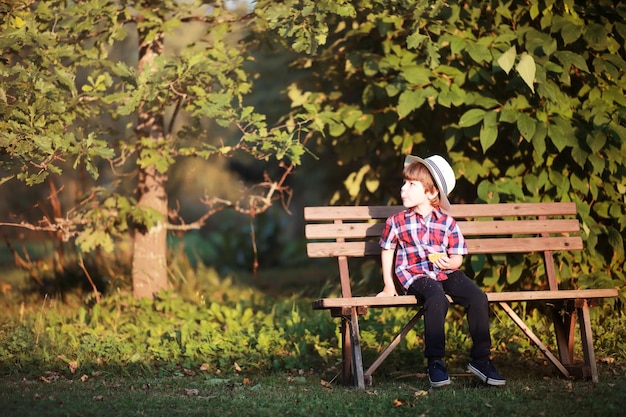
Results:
<point x="436" y="213"/>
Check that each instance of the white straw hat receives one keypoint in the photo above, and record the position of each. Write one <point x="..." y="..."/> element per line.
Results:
<point x="442" y="173"/>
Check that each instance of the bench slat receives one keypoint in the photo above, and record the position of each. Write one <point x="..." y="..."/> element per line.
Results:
<point x="329" y="213"/>
<point x="474" y="246"/>
<point x="409" y="300"/>
<point x="469" y="228"/>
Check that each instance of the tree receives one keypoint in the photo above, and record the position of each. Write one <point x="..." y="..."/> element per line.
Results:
<point x="526" y="98"/>
<point x="72" y="100"/>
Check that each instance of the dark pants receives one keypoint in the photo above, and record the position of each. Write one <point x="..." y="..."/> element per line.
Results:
<point x="464" y="292"/>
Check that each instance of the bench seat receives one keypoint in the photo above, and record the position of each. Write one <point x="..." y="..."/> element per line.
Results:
<point x="509" y="296"/>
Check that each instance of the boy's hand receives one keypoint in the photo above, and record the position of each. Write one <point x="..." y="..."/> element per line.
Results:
<point x="387" y="292"/>
<point x="441" y="261"/>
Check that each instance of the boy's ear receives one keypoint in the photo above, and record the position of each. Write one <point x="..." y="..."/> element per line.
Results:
<point x="433" y="193"/>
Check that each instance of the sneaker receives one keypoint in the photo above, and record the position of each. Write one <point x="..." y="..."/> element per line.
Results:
<point x="486" y="372"/>
<point x="438" y="374"/>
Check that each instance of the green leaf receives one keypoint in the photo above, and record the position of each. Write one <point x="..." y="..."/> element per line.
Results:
<point x="568" y="58"/>
<point x="507" y="59"/>
<point x="488" y="192"/>
<point x="570" y="32"/>
<point x="579" y="155"/>
<point x="596" y="36"/>
<point x="479" y="53"/>
<point x="415" y="75"/>
<point x="562" y="134"/>
<point x="526" y="69"/>
<point x="577" y="183"/>
<point x="617" y="242"/>
<point x="409" y="101"/>
<point x="414" y="40"/>
<point x="539" y="139"/>
<point x="355" y="179"/>
<point x="596" y="140"/>
<point x="514" y="273"/>
<point x="89" y="240"/>
<point x="472" y="117"/>
<point x="597" y="162"/>
<point x="526" y="125"/>
<point x="488" y="136"/>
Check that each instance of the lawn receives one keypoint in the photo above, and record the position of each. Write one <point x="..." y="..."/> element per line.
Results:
<point x="192" y="393"/>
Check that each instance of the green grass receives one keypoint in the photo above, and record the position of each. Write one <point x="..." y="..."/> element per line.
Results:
<point x="298" y="394"/>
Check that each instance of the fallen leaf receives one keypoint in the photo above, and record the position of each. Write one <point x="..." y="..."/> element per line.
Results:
<point x="189" y="372"/>
<point x="326" y="384"/>
<point x="237" y="367"/>
<point x="205" y="367"/>
<point x="192" y="392"/>
<point x="98" y="398"/>
<point x="73" y="366"/>
<point x="420" y="393"/>
<point x="84" y="377"/>
<point x="50" y="376"/>
<point x="400" y="402"/>
<point x="608" y="360"/>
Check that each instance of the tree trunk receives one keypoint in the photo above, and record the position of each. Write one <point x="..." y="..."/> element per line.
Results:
<point x="150" y="243"/>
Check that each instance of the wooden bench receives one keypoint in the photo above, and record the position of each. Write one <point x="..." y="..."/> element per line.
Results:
<point x="353" y="231"/>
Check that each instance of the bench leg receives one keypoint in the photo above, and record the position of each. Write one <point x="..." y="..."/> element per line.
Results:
<point x="352" y="367"/>
<point x="357" y="359"/>
<point x="586" y="337"/>
<point x="346" y="350"/>
<point x="563" y="332"/>
<point x="533" y="337"/>
<point x="394" y="343"/>
<point x="565" y="328"/>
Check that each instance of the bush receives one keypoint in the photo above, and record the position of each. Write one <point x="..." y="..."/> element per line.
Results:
<point x="216" y="325"/>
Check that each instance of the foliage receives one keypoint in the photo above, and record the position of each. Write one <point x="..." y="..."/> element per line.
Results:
<point x="525" y="98"/>
<point x="129" y="89"/>
<point x="226" y="325"/>
<point x="221" y="325"/>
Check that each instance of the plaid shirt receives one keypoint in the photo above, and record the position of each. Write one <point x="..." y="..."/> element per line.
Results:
<point x="415" y="237"/>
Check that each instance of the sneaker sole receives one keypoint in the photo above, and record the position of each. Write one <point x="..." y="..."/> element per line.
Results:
<point x="484" y="378"/>
<point x="439" y="384"/>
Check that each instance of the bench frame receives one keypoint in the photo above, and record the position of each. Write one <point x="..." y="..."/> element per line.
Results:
<point x="353" y="231"/>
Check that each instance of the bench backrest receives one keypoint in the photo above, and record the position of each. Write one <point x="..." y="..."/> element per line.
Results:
<point x="353" y="231"/>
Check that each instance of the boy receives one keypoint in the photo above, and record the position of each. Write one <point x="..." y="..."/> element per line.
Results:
<point x="427" y="248"/>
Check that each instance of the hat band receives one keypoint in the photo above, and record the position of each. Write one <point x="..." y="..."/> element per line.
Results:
<point x="442" y="181"/>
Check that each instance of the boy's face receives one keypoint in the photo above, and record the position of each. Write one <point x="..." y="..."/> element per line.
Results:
<point x="414" y="195"/>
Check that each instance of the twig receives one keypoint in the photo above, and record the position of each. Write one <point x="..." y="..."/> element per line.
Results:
<point x="82" y="266"/>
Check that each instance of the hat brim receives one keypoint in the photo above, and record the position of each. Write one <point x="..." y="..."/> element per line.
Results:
<point x="443" y="198"/>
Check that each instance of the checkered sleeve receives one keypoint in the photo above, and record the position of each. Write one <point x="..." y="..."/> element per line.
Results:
<point x="456" y="241"/>
<point x="388" y="239"/>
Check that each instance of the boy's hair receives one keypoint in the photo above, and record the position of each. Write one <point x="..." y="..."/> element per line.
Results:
<point x="416" y="171"/>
